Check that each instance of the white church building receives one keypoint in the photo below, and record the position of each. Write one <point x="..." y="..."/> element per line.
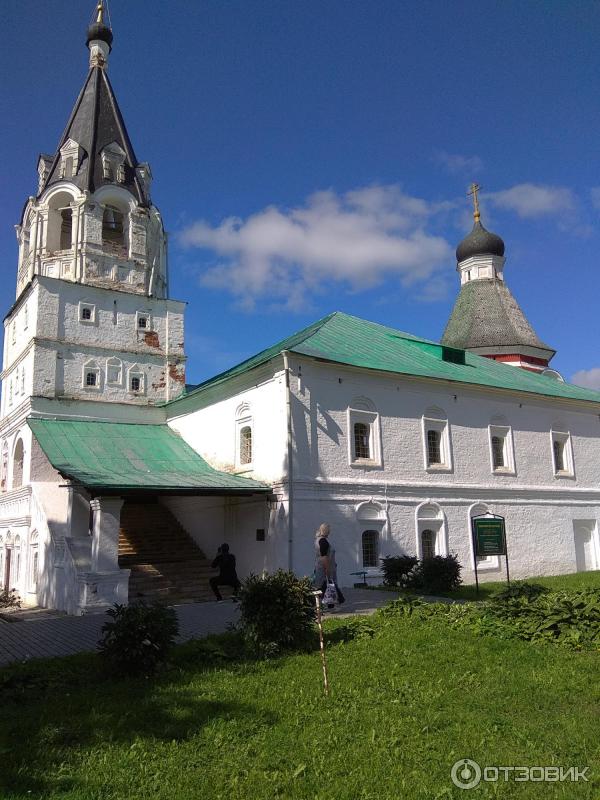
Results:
<point x="118" y="482"/>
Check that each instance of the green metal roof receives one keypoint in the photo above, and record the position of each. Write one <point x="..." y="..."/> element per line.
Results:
<point x="344" y="339"/>
<point x="124" y="456"/>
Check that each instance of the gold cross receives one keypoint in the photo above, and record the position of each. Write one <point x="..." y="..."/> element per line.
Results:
<point x="100" y="10"/>
<point x="473" y="190"/>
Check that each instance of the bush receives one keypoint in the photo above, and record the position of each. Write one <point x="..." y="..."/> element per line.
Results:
<point x="139" y="638"/>
<point x="10" y="599"/>
<point x="520" y="589"/>
<point x="277" y="612"/>
<point x="395" y="568"/>
<point x="435" y="575"/>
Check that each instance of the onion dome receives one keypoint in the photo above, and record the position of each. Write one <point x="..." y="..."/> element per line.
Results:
<point x="98" y="30"/>
<point x="479" y="242"/>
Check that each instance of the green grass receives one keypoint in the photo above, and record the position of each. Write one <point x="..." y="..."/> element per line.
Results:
<point x="574" y="580"/>
<point x="404" y="707"/>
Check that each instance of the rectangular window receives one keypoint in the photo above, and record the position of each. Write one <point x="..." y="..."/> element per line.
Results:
<point x="497" y="452"/>
<point x="501" y="449"/>
<point x="362" y="440"/>
<point x="436" y="443"/>
<point x="87" y="312"/>
<point x="142" y="322"/>
<point x="370" y="549"/>
<point x="136" y="384"/>
<point x="562" y="454"/>
<point x="428" y="543"/>
<point x="91" y="379"/>
<point x="434" y="447"/>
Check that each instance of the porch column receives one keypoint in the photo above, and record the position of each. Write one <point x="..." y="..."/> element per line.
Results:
<point x="105" y="533"/>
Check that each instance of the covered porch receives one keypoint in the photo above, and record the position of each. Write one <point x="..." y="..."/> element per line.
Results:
<point x="146" y="515"/>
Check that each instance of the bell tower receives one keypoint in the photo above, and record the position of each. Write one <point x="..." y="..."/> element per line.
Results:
<point x="486" y="318"/>
<point x="92" y="321"/>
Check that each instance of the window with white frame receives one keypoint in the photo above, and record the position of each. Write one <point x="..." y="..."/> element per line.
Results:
<point x="501" y="448"/>
<point x="431" y="531"/>
<point x="370" y="548"/>
<point x="4" y="468"/>
<point x="364" y="441"/>
<point x="91" y="376"/>
<point x="143" y="321"/>
<point x="436" y="440"/>
<point x="562" y="454"/>
<point x="114" y="372"/>
<point x="87" y="313"/>
<point x="136" y="380"/>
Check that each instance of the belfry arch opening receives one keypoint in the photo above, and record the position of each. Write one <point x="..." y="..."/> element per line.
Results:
<point x="113" y="226"/>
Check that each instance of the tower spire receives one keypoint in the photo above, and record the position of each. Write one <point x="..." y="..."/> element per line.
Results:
<point x="99" y="37"/>
<point x="473" y="190"/>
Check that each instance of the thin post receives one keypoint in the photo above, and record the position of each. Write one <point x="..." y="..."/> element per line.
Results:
<point x="321" y="641"/>
<point x="474" y="539"/>
<point x="506" y="557"/>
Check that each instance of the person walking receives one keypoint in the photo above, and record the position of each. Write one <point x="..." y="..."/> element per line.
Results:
<point x="225" y="562"/>
<point x="325" y="564"/>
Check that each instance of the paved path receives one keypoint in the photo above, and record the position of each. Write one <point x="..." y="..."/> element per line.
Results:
<point x="48" y="635"/>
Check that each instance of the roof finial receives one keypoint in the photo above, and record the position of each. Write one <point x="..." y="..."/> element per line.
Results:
<point x="475" y="187"/>
<point x="100" y="12"/>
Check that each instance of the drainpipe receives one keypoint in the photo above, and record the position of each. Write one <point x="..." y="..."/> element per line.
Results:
<point x="288" y="408"/>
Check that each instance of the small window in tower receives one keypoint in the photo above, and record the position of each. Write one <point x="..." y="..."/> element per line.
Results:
<point x="113" y="231"/>
<point x="67" y="168"/>
<point x="121" y="173"/>
<point x="87" y="312"/>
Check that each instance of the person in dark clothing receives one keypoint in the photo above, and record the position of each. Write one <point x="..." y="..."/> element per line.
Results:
<point x="225" y="562"/>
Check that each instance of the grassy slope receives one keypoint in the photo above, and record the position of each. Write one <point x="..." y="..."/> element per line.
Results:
<point x="404" y="707"/>
<point x="574" y="580"/>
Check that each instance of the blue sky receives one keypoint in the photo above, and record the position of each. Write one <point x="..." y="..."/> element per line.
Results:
<point x="313" y="156"/>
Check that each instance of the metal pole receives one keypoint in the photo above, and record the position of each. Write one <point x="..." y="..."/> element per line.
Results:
<point x="506" y="557"/>
<point x="321" y="642"/>
<point x="474" y="539"/>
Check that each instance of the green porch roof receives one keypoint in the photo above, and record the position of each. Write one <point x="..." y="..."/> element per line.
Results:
<point x="113" y="456"/>
<point x="344" y="339"/>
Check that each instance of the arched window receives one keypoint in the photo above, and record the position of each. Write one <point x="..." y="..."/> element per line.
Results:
<point x="432" y="538"/>
<point x="91" y="376"/>
<point x="18" y="461"/>
<point x="34" y="561"/>
<point x="113" y="231"/>
<point x="428" y="538"/>
<point x="370" y="548"/>
<point x="362" y="440"/>
<point x="246" y="445"/>
<point x="66" y="228"/>
<point x="4" y="468"/>
<point x="434" y="449"/>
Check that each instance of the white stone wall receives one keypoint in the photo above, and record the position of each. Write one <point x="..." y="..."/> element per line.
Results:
<point x="257" y="399"/>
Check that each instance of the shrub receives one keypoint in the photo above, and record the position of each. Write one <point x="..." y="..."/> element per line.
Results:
<point x="277" y="612"/>
<point x="10" y="599"/>
<point x="395" y="568"/>
<point x="519" y="589"/>
<point x="435" y="575"/>
<point x="139" y="638"/>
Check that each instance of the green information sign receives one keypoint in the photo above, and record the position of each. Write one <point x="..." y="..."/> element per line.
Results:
<point x="489" y="535"/>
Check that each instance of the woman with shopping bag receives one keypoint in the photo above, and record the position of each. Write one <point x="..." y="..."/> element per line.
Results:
<point x="326" y="568"/>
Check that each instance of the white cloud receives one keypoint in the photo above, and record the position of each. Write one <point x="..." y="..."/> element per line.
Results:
<point x="595" y="195"/>
<point x="589" y="378"/>
<point x="279" y="257"/>
<point x="455" y="163"/>
<point x="534" y="200"/>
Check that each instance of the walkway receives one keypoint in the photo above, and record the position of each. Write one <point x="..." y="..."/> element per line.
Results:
<point x="41" y="635"/>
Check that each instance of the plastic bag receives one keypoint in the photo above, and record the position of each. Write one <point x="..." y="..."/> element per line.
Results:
<point x="330" y="596"/>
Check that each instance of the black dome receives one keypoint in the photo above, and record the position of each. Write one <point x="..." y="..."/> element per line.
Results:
<point x="479" y="242"/>
<point x="98" y="30"/>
